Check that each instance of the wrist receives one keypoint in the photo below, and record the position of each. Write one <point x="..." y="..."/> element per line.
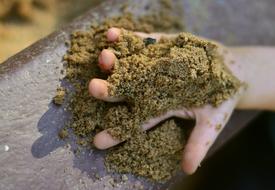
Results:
<point x="255" y="66"/>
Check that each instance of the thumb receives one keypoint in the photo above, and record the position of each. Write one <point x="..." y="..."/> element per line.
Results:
<point x="201" y="139"/>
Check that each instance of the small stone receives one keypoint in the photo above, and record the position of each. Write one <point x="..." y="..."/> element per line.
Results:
<point x="6" y="148"/>
<point x="124" y="178"/>
<point x="59" y="97"/>
<point x="218" y="127"/>
<point x="148" y="41"/>
<point x="97" y="176"/>
<point x="63" y="133"/>
<point x="111" y="181"/>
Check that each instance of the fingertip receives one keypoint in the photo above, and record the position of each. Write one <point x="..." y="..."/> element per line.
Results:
<point x="104" y="140"/>
<point x="113" y="34"/>
<point x="98" y="88"/>
<point x="106" y="60"/>
<point x="192" y="157"/>
<point x="187" y="165"/>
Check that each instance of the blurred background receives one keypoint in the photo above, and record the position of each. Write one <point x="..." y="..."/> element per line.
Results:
<point x="23" y="22"/>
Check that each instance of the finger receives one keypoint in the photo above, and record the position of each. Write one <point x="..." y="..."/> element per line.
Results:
<point x="98" y="88"/>
<point x="199" y="142"/>
<point x="113" y="35"/>
<point x="156" y="36"/>
<point x="204" y="134"/>
<point x="182" y="113"/>
<point x="106" y="60"/>
<point x="103" y="140"/>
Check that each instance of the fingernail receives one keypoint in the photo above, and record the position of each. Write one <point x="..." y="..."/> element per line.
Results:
<point x="113" y="34"/>
<point x="98" y="89"/>
<point x="106" y="60"/>
<point x="107" y="57"/>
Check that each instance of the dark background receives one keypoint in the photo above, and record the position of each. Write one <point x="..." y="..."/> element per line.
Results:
<point x="247" y="162"/>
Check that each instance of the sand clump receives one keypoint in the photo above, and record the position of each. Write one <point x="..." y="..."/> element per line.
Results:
<point x="155" y="154"/>
<point x="153" y="77"/>
<point x="60" y="96"/>
<point x="182" y="72"/>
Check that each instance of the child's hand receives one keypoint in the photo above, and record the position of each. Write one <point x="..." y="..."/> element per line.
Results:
<point x="209" y="120"/>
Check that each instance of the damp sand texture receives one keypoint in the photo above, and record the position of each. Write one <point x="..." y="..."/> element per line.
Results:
<point x="153" y="78"/>
<point x="181" y="72"/>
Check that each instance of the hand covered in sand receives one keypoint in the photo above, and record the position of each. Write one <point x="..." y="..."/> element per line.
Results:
<point x="209" y="120"/>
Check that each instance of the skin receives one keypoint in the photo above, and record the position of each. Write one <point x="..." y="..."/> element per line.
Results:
<point x="252" y="65"/>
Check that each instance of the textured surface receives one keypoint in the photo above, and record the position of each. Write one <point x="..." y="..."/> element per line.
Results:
<point x="32" y="157"/>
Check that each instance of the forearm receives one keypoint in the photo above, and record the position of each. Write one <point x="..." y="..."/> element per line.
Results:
<point x="258" y="67"/>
